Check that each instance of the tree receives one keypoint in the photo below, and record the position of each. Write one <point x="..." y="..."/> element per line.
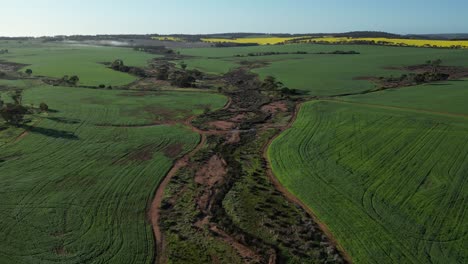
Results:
<point x="182" y="79"/>
<point x="162" y="72"/>
<point x="17" y="96"/>
<point x="74" y="80"/>
<point x="29" y="72"/>
<point x="44" y="107"/>
<point x="183" y="65"/>
<point x="271" y="84"/>
<point x="435" y="65"/>
<point x="13" y="113"/>
<point x="117" y="64"/>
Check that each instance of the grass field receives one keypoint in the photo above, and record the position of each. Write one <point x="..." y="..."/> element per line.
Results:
<point x="256" y="40"/>
<point x="57" y="60"/>
<point x="75" y="191"/>
<point x="390" y="184"/>
<point x="438" y="98"/>
<point x="323" y="74"/>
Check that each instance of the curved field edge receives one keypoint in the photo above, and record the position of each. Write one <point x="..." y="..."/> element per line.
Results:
<point x="389" y="185"/>
<point x="85" y="61"/>
<point x="74" y="191"/>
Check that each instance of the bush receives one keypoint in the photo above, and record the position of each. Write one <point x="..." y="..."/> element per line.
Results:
<point x="44" y="107"/>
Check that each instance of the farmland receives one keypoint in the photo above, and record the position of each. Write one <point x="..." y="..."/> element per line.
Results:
<point x="394" y="42"/>
<point x="54" y="60"/>
<point x="377" y="177"/>
<point x="77" y="180"/>
<point x="257" y="40"/>
<point x="343" y="40"/>
<point x="295" y="153"/>
<point x="323" y="74"/>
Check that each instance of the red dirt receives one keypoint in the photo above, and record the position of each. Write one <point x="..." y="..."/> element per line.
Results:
<point x="238" y="118"/>
<point x="233" y="137"/>
<point x="155" y="209"/>
<point x="212" y="172"/>
<point x="275" y="107"/>
<point x="22" y="135"/>
<point x="154" y="212"/>
<point x="222" y="125"/>
<point x="210" y="175"/>
<point x="26" y="132"/>
<point x="292" y="198"/>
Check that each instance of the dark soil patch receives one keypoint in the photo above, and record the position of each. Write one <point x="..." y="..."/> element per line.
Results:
<point x="6" y="66"/>
<point x="174" y="150"/>
<point x="254" y="64"/>
<point x="455" y="72"/>
<point x="143" y="153"/>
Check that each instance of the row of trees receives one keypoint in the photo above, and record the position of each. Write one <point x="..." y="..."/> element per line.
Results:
<point x="119" y="65"/>
<point x="179" y="77"/>
<point x="271" y="84"/>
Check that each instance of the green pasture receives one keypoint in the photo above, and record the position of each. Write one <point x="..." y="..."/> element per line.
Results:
<point x="390" y="184"/>
<point x="444" y="98"/>
<point x="325" y="74"/>
<point x="57" y="60"/>
<point x="76" y="186"/>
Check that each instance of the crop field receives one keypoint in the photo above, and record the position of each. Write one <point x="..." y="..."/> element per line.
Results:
<point x="216" y="166"/>
<point x="55" y="60"/>
<point x="77" y="184"/>
<point x="323" y="74"/>
<point x="390" y="184"/>
<point x="256" y="40"/>
<point x="168" y="38"/>
<point x="396" y="42"/>
<point x="446" y="98"/>
<point x="334" y="40"/>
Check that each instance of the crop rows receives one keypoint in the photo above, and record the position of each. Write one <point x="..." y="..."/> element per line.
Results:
<point x="390" y="185"/>
<point x="74" y="191"/>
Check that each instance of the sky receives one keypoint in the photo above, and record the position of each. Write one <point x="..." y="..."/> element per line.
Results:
<point x="90" y="17"/>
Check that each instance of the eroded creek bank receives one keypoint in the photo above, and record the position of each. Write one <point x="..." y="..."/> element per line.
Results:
<point x="221" y="205"/>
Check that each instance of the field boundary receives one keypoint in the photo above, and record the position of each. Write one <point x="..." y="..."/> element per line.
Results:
<point x="398" y="108"/>
<point x="290" y="196"/>
<point x="155" y="206"/>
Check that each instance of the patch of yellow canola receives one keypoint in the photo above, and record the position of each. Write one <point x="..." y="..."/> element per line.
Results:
<point x="393" y="42"/>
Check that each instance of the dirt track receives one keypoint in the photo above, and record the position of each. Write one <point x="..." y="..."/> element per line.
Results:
<point x="291" y="197"/>
<point x="154" y="211"/>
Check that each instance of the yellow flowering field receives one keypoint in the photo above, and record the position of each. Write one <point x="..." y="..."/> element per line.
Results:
<point x="396" y="42"/>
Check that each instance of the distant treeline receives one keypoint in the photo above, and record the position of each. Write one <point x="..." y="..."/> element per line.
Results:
<point x="270" y="53"/>
<point x="197" y="38"/>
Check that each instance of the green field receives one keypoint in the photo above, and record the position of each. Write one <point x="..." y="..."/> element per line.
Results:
<point x="57" y="60"/>
<point x="439" y="98"/>
<point x="76" y="187"/>
<point x="389" y="183"/>
<point x="385" y="170"/>
<point x="325" y="74"/>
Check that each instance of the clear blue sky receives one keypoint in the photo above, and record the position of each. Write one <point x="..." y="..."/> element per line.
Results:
<point x="54" y="17"/>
